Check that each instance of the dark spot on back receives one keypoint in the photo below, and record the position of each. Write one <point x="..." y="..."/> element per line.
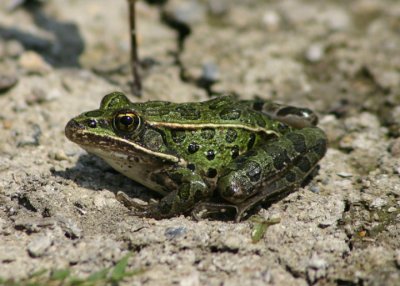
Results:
<point x="298" y="141"/>
<point x="211" y="173"/>
<point x="252" y="139"/>
<point x="193" y="147"/>
<point x="279" y="155"/>
<point x="191" y="167"/>
<point x="320" y="147"/>
<point x="176" y="177"/>
<point x="230" y="114"/>
<point x="251" y="153"/>
<point x="240" y="162"/>
<point x="210" y="155"/>
<point x="304" y="164"/>
<point x="231" y="135"/>
<point x="260" y="121"/>
<point x="189" y="113"/>
<point x="207" y="133"/>
<point x="235" y="151"/>
<point x="178" y="135"/>
<point x="254" y="171"/>
<point x="290" y="177"/>
<point x="217" y="103"/>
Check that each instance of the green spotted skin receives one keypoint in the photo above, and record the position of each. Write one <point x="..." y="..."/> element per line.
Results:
<point x="212" y="155"/>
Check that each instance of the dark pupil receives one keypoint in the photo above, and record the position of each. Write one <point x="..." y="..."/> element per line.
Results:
<point x="126" y="120"/>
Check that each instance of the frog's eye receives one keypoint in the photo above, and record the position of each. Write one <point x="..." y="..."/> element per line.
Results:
<point x="126" y="121"/>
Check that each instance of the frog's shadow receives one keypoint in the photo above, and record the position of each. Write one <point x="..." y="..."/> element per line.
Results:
<point x="93" y="173"/>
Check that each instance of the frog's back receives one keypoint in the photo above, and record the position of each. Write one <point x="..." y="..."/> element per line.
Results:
<point x="206" y="135"/>
<point x="221" y="111"/>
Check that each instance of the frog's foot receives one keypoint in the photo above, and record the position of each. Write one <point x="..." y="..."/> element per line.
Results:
<point x="208" y="209"/>
<point x="131" y="203"/>
<point x="139" y="208"/>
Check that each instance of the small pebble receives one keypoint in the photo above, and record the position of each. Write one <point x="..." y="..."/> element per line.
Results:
<point x="378" y="203"/>
<point x="175" y="232"/>
<point x="38" y="95"/>
<point x="32" y="138"/>
<point x="33" y="63"/>
<point x="315" y="53"/>
<point x="326" y="223"/>
<point x="316" y="268"/>
<point x="391" y="210"/>
<point x="100" y="202"/>
<point x="338" y="20"/>
<point x="271" y="20"/>
<point x="185" y="12"/>
<point x="317" y="263"/>
<point x="210" y="73"/>
<point x="344" y="175"/>
<point x="397" y="257"/>
<point x="395" y="148"/>
<point x="14" y="49"/>
<point x="38" y="246"/>
<point x="60" y="156"/>
<point x="70" y="227"/>
<point x="7" y="124"/>
<point x="315" y="189"/>
<point x="218" y="8"/>
<point x="7" y="82"/>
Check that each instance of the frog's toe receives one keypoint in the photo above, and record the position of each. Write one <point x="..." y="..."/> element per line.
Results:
<point x="209" y="210"/>
<point x="130" y="203"/>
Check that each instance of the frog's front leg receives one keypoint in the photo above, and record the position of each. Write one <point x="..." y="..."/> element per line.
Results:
<point x="272" y="168"/>
<point x="189" y="189"/>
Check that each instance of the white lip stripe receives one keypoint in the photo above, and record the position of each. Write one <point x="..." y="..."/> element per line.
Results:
<point x="168" y="157"/>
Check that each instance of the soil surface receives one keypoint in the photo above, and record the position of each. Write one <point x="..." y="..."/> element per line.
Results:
<point x="58" y="209"/>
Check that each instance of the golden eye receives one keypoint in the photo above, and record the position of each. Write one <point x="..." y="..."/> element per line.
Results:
<point x="126" y="121"/>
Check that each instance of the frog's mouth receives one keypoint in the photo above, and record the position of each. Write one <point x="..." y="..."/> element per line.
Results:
<point x="101" y="145"/>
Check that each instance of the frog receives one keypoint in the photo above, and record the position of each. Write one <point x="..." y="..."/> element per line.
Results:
<point x="203" y="157"/>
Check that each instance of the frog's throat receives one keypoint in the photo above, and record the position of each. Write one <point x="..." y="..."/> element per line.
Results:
<point x="212" y="125"/>
<point x="119" y="144"/>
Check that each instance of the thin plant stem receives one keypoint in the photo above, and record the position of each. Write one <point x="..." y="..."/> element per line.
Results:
<point x="135" y="64"/>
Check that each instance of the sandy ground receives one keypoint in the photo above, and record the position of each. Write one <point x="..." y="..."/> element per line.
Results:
<point x="339" y="58"/>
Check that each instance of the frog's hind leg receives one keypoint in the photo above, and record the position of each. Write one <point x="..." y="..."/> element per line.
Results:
<point x="272" y="169"/>
<point x="297" y="117"/>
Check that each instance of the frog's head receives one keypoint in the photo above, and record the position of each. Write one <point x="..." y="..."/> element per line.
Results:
<point x="112" y="127"/>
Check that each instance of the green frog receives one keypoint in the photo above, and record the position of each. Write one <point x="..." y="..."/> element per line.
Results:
<point x="203" y="157"/>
